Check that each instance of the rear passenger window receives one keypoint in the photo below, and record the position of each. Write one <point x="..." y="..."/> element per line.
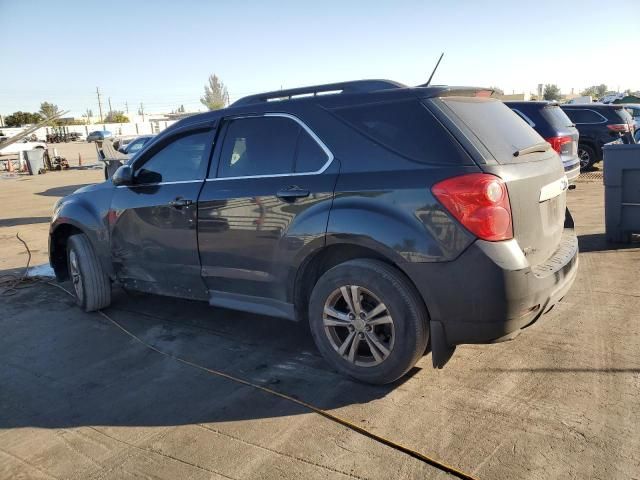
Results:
<point x="258" y="146"/>
<point x="578" y="115"/>
<point x="406" y="128"/>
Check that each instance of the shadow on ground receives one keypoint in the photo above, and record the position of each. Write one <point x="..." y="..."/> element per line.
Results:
<point x="61" y="367"/>
<point x="597" y="242"/>
<point x="13" y="222"/>
<point x="62" y="191"/>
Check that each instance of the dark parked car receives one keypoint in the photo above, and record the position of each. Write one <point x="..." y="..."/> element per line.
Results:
<point x="98" y="136"/>
<point x="598" y="124"/>
<point x="387" y="217"/>
<point x="548" y="119"/>
<point x="134" y="145"/>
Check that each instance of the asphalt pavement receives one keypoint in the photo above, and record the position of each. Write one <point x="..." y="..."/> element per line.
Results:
<point x="81" y="399"/>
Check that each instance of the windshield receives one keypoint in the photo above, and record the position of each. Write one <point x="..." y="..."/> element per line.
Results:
<point x="136" y="145"/>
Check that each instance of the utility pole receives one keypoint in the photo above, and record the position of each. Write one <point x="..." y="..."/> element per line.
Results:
<point x="99" y="103"/>
<point x="126" y="106"/>
<point x="142" y="111"/>
<point x="110" y="111"/>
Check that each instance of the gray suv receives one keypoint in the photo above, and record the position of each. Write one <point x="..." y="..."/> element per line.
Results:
<point x="390" y="218"/>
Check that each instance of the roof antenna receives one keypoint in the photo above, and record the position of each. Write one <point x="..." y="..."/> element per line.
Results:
<point x="434" y="71"/>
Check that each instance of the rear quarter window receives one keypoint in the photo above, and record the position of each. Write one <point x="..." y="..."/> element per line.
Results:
<point x="406" y="128"/>
<point x="579" y="115"/>
<point x="496" y="126"/>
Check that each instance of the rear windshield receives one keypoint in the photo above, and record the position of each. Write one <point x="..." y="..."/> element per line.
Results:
<point x="633" y="111"/>
<point x="624" y="115"/>
<point x="404" y="127"/>
<point x="499" y="129"/>
<point x="556" y="117"/>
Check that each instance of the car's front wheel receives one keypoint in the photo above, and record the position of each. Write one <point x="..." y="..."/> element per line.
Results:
<point x="587" y="156"/>
<point x="91" y="285"/>
<point x="368" y="321"/>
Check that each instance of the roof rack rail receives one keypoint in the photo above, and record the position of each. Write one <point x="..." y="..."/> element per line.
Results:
<point x="356" y="86"/>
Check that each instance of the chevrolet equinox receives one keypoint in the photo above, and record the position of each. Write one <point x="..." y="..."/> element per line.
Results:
<point x="391" y="218"/>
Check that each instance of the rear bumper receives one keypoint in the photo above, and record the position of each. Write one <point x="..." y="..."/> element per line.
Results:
<point x="489" y="294"/>
<point x="572" y="171"/>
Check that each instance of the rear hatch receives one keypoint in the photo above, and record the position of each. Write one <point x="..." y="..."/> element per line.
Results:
<point x="623" y="117"/>
<point x="534" y="175"/>
<point x="566" y="138"/>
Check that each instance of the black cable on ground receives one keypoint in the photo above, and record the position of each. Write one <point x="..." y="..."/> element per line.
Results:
<point x="11" y="283"/>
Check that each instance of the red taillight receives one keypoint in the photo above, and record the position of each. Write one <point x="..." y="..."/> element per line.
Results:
<point x="618" y="127"/>
<point x="480" y="202"/>
<point x="558" y="142"/>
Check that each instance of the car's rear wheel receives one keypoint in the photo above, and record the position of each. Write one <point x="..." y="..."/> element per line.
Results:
<point x="587" y="156"/>
<point x="91" y="285"/>
<point x="368" y="321"/>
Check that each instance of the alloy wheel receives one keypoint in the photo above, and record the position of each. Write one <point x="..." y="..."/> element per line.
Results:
<point x="585" y="158"/>
<point x="358" y="326"/>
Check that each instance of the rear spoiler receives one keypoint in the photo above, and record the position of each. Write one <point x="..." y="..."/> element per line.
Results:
<point x="445" y="91"/>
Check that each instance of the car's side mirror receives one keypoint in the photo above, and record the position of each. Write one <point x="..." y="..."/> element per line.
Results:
<point x="123" y="176"/>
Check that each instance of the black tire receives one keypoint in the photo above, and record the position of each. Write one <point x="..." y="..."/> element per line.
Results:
<point x="92" y="287"/>
<point x="587" y="156"/>
<point x="403" y="304"/>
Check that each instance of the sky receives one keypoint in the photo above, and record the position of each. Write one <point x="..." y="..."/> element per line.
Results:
<point x="161" y="52"/>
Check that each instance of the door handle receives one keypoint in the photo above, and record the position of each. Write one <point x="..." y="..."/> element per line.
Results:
<point x="291" y="193"/>
<point x="180" y="202"/>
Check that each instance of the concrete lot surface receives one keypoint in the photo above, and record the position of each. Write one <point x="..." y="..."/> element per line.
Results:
<point x="80" y="399"/>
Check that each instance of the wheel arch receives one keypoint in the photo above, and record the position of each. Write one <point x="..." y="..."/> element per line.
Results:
<point x="58" y="239"/>
<point x="597" y="150"/>
<point x="324" y="259"/>
<point x="73" y="218"/>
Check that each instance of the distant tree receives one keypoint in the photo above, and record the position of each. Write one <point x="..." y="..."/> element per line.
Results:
<point x="116" y="116"/>
<point x="551" y="92"/>
<point x="596" y="91"/>
<point x="18" y="119"/>
<point x="497" y="90"/>
<point x="49" y="109"/>
<point x="216" y="95"/>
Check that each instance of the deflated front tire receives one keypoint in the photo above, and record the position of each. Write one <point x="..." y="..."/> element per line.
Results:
<point x="91" y="286"/>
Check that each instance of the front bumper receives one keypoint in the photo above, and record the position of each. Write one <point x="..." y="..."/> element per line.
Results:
<point x="489" y="294"/>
